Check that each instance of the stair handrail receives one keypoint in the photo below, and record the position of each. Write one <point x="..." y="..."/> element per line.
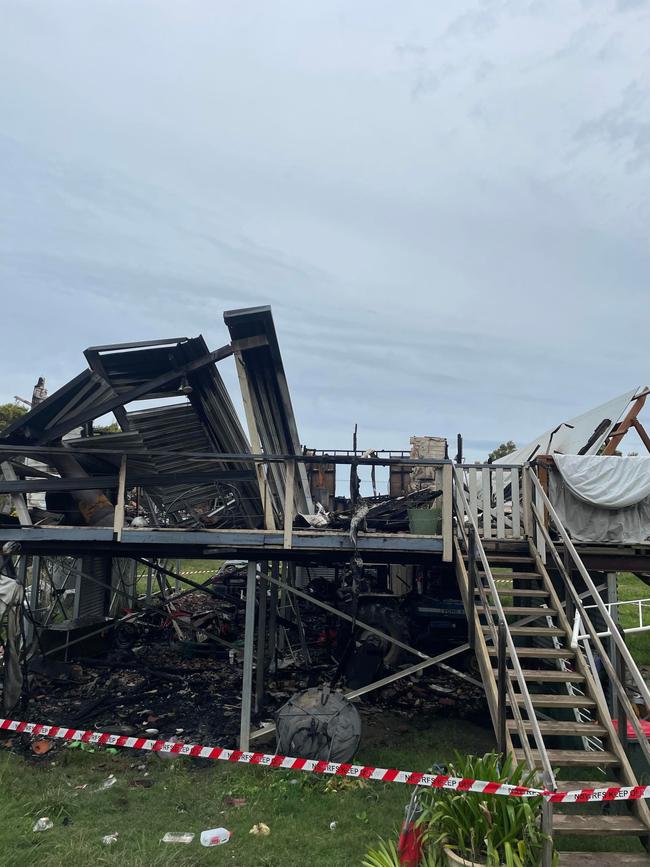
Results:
<point x="547" y="775"/>
<point x="586" y="577"/>
<point x="617" y="685"/>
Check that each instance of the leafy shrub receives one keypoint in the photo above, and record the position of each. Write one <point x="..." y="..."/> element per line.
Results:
<point x="490" y="829"/>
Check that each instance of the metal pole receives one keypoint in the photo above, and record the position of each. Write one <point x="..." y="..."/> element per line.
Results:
<point x="501" y="687"/>
<point x="261" y="641"/>
<point x="547" y="829"/>
<point x="301" y="629"/>
<point x="249" y="639"/>
<point x="34" y="595"/>
<point x="273" y="615"/>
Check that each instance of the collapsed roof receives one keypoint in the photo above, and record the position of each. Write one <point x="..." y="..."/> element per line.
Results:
<point x="583" y="435"/>
<point x="193" y="412"/>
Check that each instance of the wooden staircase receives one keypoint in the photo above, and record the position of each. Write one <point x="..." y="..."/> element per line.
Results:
<point x="546" y="707"/>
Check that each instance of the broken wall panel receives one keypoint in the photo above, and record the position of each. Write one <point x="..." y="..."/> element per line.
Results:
<point x="268" y="404"/>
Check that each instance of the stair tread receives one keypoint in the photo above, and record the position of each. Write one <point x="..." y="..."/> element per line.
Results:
<point x="532" y="630"/>
<point x="509" y="591"/>
<point x="572" y="758"/>
<point x="540" y="699"/>
<point x="511" y="573"/>
<point x="539" y="652"/>
<point x="525" y="612"/>
<point x="574" y="785"/>
<point x="603" y="859"/>
<point x="541" y="676"/>
<point x="507" y="559"/>
<point x="560" y="727"/>
<point x="597" y="823"/>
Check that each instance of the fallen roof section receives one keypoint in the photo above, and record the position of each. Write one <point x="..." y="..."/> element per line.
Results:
<point x="269" y="412"/>
<point x="582" y="435"/>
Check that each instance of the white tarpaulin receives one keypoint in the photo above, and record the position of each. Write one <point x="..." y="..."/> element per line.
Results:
<point x="609" y="482"/>
<point x="602" y="498"/>
<point x="585" y="433"/>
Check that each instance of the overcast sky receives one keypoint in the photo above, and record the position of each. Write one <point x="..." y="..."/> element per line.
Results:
<point x="446" y="204"/>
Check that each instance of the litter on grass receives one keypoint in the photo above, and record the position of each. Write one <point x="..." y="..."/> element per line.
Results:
<point x="178" y="837"/>
<point x="43" y="824"/>
<point x="215" y="837"/>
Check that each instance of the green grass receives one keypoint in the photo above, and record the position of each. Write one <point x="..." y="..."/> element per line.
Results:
<point x="187" y="797"/>
<point x="631" y="587"/>
<point x="186" y="566"/>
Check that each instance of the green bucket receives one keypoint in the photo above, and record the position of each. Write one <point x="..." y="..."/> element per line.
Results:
<point x="425" y="522"/>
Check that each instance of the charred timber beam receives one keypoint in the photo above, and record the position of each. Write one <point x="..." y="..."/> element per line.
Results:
<point x="133" y="479"/>
<point x="234" y="457"/>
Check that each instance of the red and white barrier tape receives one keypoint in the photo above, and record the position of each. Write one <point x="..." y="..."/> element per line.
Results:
<point x="362" y="772"/>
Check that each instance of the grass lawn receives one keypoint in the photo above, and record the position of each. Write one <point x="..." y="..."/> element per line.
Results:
<point x="202" y="570"/>
<point x="631" y="587"/>
<point x="185" y="796"/>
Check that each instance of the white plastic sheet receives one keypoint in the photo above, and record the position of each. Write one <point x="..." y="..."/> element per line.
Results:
<point x="602" y="499"/>
<point x="608" y="482"/>
<point x="573" y="435"/>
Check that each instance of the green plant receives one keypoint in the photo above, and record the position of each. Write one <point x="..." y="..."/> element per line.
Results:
<point x="490" y="829"/>
<point x="384" y="856"/>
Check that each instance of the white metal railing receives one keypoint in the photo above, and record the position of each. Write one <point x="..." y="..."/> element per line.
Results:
<point x="639" y="604"/>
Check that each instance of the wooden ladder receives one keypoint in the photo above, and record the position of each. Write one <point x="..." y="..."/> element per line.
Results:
<point x="570" y="712"/>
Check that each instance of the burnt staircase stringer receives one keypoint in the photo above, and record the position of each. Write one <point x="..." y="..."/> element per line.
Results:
<point x="480" y="646"/>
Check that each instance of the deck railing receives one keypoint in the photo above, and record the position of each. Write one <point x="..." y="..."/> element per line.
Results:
<point x="199" y="471"/>
<point x="497" y="499"/>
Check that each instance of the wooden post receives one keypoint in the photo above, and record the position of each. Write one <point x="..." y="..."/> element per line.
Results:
<point x="502" y="688"/>
<point x="471" y="589"/>
<point x="288" y="504"/>
<point x="568" y="598"/>
<point x="619" y="709"/>
<point x="118" y="520"/>
<point x="249" y="639"/>
<point x="526" y="500"/>
<point x="447" y="513"/>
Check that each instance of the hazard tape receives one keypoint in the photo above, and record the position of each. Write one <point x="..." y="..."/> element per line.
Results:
<point x="339" y="769"/>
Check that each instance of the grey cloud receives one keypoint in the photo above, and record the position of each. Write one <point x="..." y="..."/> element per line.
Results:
<point x="405" y="185"/>
<point x="623" y="128"/>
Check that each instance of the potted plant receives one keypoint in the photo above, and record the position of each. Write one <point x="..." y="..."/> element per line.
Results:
<point x="386" y="855"/>
<point x="468" y="829"/>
